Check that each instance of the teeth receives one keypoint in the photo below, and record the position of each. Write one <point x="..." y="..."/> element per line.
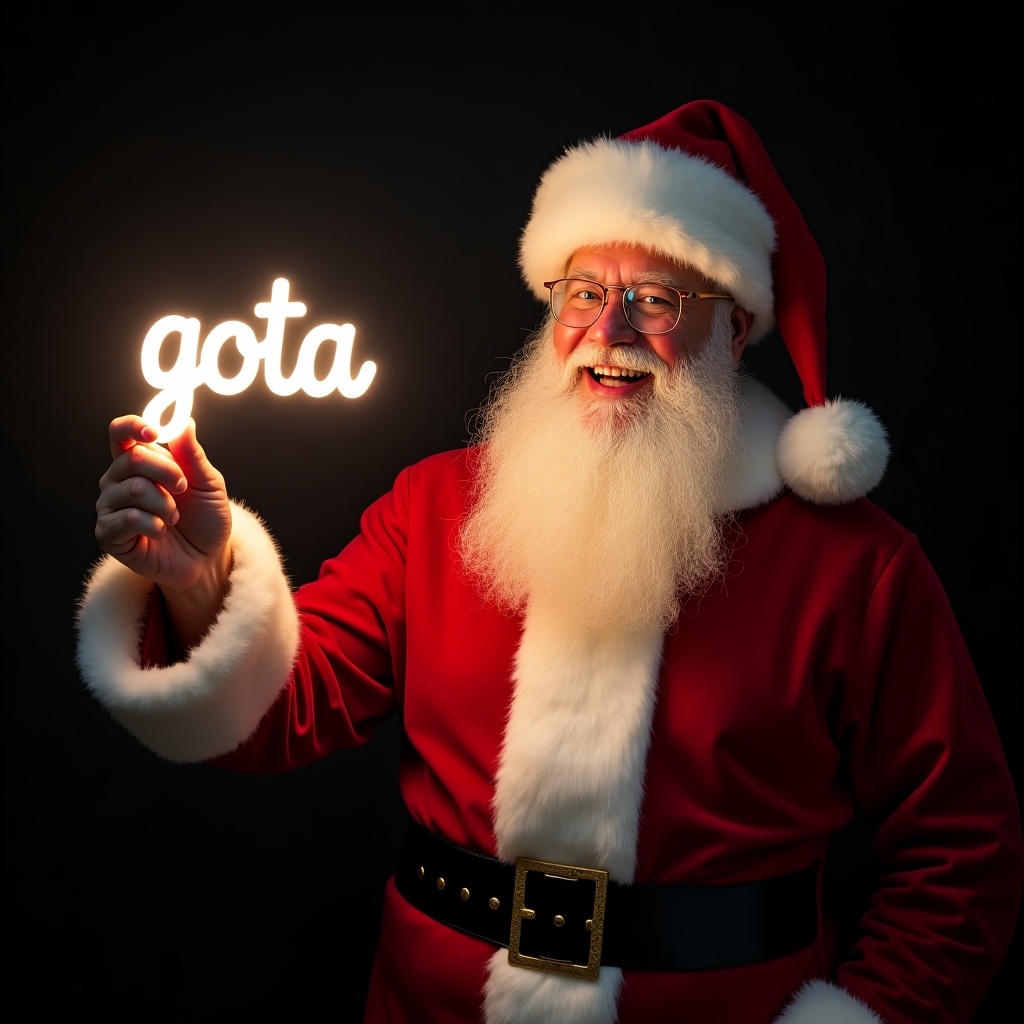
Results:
<point x="618" y="371"/>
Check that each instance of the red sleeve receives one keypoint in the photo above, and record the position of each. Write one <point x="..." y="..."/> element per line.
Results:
<point x="928" y="769"/>
<point x="160" y="646"/>
<point x="352" y="649"/>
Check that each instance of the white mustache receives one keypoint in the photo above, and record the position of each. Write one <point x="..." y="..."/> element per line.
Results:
<point x="623" y="357"/>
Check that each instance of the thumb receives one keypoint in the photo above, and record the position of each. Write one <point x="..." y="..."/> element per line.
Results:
<point x="191" y="458"/>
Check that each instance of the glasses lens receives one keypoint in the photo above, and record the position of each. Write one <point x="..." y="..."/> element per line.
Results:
<point x="652" y="308"/>
<point x="576" y="303"/>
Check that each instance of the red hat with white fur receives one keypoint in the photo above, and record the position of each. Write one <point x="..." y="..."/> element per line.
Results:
<point x="698" y="186"/>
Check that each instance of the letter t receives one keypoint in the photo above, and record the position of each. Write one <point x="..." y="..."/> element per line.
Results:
<point x="275" y="312"/>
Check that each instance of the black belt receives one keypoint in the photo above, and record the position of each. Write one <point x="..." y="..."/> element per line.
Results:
<point x="571" y="920"/>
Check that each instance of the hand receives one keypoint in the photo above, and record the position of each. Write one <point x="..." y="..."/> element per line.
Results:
<point x="165" y="514"/>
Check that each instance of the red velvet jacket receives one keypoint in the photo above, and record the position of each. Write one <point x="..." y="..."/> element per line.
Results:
<point x="826" y="676"/>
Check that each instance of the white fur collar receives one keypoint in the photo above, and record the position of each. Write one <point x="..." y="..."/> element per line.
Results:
<point x="756" y="478"/>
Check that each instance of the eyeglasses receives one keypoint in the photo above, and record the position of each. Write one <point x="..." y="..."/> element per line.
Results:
<point x="649" y="308"/>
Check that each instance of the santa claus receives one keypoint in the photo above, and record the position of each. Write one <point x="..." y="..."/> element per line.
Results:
<point x="650" y="644"/>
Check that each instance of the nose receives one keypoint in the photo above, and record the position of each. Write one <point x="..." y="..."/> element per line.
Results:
<point x="612" y="327"/>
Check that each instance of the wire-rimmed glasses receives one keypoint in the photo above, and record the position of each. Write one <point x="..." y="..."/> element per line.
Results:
<point x="649" y="308"/>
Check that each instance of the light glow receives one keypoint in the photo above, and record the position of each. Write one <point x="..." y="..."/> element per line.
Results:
<point x="196" y="365"/>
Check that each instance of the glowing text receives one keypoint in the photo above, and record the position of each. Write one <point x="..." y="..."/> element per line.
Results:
<point x="195" y="366"/>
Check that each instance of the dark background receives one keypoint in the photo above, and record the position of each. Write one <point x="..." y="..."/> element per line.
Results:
<point x="164" y="161"/>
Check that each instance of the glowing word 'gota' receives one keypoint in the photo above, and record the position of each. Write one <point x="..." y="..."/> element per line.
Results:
<point x="195" y="366"/>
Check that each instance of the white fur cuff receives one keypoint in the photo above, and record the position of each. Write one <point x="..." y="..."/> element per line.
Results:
<point x="821" y="1002"/>
<point x="210" y="703"/>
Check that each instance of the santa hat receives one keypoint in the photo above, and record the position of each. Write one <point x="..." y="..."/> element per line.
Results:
<point x="698" y="186"/>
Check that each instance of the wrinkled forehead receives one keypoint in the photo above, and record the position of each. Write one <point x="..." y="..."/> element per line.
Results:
<point x="622" y="263"/>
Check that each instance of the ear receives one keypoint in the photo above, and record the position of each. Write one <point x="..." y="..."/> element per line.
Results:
<point x="742" y="320"/>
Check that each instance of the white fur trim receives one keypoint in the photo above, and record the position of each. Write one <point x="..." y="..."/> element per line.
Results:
<point x="570" y="780"/>
<point x="639" y="193"/>
<point x="755" y="479"/>
<point x="515" y="995"/>
<point x="208" y="704"/>
<point x="821" y="1002"/>
<point x="569" y="786"/>
<point x="833" y="453"/>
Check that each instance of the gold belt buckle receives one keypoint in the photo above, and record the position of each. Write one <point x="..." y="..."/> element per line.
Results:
<point x="594" y="924"/>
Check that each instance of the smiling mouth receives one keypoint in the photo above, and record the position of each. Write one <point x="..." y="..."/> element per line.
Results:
<point x="616" y="376"/>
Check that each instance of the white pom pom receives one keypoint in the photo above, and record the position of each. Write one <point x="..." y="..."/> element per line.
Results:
<point x="833" y="453"/>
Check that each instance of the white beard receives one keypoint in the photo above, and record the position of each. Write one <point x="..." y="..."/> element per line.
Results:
<point x="607" y="512"/>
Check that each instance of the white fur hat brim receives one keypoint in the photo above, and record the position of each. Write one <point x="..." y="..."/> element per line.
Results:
<point x="639" y="193"/>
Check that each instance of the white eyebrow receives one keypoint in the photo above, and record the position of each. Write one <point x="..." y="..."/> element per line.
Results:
<point x="649" y="277"/>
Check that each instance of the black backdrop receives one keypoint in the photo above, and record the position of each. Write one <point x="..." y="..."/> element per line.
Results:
<point x="163" y="162"/>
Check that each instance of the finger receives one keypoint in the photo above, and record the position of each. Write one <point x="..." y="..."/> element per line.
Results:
<point x="136" y="492"/>
<point x="118" y="532"/>
<point x="126" y="431"/>
<point x="147" y="462"/>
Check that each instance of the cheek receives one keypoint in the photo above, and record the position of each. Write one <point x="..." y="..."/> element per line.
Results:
<point x="566" y="339"/>
<point x="670" y="348"/>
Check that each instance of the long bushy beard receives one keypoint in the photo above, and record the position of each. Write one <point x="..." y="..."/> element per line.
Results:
<point x="608" y="513"/>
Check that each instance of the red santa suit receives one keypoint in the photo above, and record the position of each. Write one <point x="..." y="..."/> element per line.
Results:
<point x="824" y="677"/>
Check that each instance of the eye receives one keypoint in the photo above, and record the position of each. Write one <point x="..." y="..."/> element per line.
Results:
<point x="653" y="300"/>
<point x="582" y="293"/>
